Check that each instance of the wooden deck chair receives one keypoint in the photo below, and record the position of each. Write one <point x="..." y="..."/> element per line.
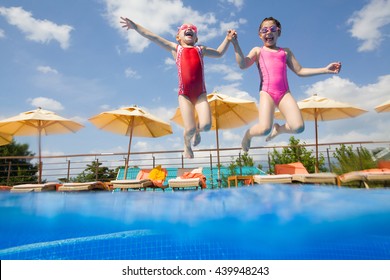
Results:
<point x="316" y="178"/>
<point x="366" y="177"/>
<point x="51" y="186"/>
<point x="86" y="186"/>
<point x="276" y="179"/>
<point x="300" y="174"/>
<point x="146" y="178"/>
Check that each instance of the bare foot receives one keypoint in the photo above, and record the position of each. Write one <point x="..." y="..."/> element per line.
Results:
<point x="188" y="153"/>
<point x="246" y="142"/>
<point x="197" y="139"/>
<point x="274" y="132"/>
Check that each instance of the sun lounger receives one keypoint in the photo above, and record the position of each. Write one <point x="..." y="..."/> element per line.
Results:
<point x="146" y="178"/>
<point x="188" y="178"/>
<point x="34" y="187"/>
<point x="278" y="179"/>
<point x="366" y="177"/>
<point x="316" y="178"/>
<point x="87" y="186"/>
<point x="300" y="174"/>
<point x="131" y="184"/>
<point x="5" y="188"/>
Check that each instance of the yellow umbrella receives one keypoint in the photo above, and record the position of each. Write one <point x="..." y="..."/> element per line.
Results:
<point x="5" y="139"/>
<point x="38" y="122"/>
<point x="227" y="112"/>
<point x="384" y="107"/>
<point x="131" y="121"/>
<point x="317" y="108"/>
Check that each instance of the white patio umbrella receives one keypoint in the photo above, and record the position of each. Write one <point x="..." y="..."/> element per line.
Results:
<point x="317" y="108"/>
<point x="131" y="121"/>
<point x="38" y="122"/>
<point x="227" y="112"/>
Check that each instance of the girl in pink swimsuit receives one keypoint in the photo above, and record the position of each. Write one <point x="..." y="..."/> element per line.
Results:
<point x="192" y="89"/>
<point x="272" y="62"/>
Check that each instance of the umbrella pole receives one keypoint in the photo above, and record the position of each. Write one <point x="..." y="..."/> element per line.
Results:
<point x="39" y="156"/>
<point x="128" y="149"/>
<point x="217" y="137"/>
<point x="316" y="129"/>
<point x="218" y="160"/>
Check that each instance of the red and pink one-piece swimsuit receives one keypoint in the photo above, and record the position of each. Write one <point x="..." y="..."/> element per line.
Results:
<point x="189" y="63"/>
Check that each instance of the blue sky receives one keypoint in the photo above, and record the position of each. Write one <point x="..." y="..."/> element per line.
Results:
<point x="74" y="58"/>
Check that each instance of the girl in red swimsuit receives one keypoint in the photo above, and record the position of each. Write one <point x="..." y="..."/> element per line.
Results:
<point x="274" y="91"/>
<point x="192" y="89"/>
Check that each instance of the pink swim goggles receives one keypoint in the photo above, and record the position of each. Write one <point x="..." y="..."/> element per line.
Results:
<point x="188" y="26"/>
<point x="265" y="30"/>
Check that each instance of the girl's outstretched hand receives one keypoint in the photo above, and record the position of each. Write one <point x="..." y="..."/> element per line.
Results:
<point x="231" y="34"/>
<point x="126" y="23"/>
<point x="334" y="67"/>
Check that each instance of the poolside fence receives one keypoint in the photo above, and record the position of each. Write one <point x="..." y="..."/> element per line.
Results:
<point x="64" y="168"/>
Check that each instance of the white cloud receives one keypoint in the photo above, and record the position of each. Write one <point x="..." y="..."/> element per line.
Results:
<point x="163" y="18"/>
<point x="2" y="33"/>
<point x="46" y="103"/>
<point x="130" y="73"/>
<point x="106" y="107"/>
<point x="234" y="91"/>
<point x="231" y="25"/>
<point x="47" y="70"/>
<point x="228" y="135"/>
<point x="237" y="3"/>
<point x="367" y="22"/>
<point x="42" y="31"/>
<point x="228" y="73"/>
<point x="366" y="97"/>
<point x="164" y="113"/>
<point x="169" y="61"/>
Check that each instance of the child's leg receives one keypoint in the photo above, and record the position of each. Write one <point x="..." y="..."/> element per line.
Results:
<point x="202" y="107"/>
<point x="294" y="121"/>
<point x="264" y="125"/>
<point x="188" y="116"/>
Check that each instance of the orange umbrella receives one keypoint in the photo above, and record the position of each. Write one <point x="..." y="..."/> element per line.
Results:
<point x="131" y="121"/>
<point x="38" y="122"/>
<point x="5" y="139"/>
<point x="384" y="107"/>
<point x="317" y="108"/>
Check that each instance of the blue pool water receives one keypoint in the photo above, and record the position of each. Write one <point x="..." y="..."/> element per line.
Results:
<point x="274" y="222"/>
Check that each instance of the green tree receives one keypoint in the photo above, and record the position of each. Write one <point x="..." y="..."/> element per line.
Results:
<point x="350" y="160"/>
<point x="243" y="160"/>
<point x="95" y="171"/>
<point x="20" y="170"/>
<point x="296" y="152"/>
<point x="235" y="166"/>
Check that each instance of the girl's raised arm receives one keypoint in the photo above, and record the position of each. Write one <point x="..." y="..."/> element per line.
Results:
<point x="164" y="43"/>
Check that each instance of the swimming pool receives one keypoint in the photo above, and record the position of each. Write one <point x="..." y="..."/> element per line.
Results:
<point x="274" y="222"/>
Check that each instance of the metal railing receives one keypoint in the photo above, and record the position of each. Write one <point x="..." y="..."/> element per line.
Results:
<point x="63" y="168"/>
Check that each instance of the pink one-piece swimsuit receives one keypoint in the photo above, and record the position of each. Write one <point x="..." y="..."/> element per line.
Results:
<point x="189" y="63"/>
<point x="273" y="73"/>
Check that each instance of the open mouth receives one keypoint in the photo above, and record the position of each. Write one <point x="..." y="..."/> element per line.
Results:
<point x="188" y="33"/>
